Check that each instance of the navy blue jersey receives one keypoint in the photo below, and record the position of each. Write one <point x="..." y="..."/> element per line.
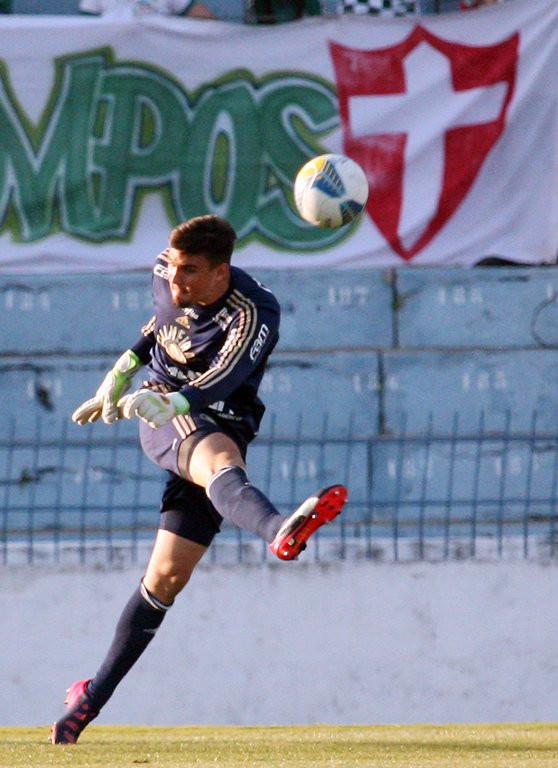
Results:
<point x="215" y="355"/>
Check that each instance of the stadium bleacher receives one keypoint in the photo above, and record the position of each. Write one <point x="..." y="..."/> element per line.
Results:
<point x="230" y="10"/>
<point x="431" y="392"/>
<point x="373" y="343"/>
<point x="426" y="390"/>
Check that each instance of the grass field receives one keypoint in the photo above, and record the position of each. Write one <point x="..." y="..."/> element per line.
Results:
<point x="417" y="746"/>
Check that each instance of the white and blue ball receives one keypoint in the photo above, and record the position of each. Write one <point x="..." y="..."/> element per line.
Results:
<point x="330" y="190"/>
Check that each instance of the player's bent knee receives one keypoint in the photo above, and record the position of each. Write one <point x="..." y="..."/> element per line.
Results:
<point x="166" y="581"/>
<point x="211" y="454"/>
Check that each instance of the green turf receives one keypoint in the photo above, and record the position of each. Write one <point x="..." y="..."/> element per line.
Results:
<point x="416" y="746"/>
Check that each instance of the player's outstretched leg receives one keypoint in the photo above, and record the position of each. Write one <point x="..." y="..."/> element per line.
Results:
<point x="317" y="510"/>
<point x="138" y="623"/>
<point x="80" y="712"/>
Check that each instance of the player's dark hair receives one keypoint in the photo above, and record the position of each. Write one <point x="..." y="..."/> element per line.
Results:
<point x="209" y="236"/>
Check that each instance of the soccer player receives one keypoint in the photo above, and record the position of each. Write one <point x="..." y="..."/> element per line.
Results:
<point x="206" y="349"/>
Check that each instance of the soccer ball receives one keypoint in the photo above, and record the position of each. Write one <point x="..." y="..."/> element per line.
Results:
<point x="330" y="190"/>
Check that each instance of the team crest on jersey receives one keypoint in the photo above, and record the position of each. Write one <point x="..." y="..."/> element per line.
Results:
<point x="415" y="188"/>
<point x="176" y="343"/>
<point x="183" y="320"/>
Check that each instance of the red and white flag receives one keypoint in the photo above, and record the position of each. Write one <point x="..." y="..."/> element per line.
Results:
<point x="454" y="124"/>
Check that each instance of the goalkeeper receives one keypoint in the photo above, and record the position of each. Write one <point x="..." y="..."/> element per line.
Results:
<point x="205" y="349"/>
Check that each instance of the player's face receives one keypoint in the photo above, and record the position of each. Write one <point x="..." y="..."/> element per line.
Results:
<point x="194" y="280"/>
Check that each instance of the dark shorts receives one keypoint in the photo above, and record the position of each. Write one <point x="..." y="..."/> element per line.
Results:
<point x="185" y="508"/>
<point x="187" y="512"/>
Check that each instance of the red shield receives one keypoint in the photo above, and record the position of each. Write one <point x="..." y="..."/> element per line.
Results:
<point x="464" y="143"/>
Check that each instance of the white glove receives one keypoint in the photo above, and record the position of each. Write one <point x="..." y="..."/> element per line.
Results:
<point x="153" y="407"/>
<point x="114" y="385"/>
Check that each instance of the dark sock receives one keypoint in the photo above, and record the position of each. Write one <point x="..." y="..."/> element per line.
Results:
<point x="136" y="628"/>
<point x="237" y="500"/>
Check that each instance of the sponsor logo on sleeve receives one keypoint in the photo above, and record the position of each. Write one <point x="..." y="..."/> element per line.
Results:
<point x="258" y="342"/>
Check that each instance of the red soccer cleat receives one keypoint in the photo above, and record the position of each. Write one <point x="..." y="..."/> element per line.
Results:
<point x="322" y="508"/>
<point x="80" y="713"/>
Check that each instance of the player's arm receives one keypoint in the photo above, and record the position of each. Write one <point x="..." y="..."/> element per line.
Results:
<point x="191" y="8"/>
<point x="248" y="341"/>
<point x="90" y="7"/>
<point x="104" y="403"/>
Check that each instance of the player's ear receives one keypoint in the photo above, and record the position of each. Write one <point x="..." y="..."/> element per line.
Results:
<point x="223" y="270"/>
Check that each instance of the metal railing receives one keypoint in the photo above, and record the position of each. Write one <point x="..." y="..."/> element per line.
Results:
<point x="89" y="495"/>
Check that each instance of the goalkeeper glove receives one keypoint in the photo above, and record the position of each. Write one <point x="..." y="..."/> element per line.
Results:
<point x="114" y="385"/>
<point x="154" y="408"/>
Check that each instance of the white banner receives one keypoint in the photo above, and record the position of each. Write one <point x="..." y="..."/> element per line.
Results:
<point x="111" y="134"/>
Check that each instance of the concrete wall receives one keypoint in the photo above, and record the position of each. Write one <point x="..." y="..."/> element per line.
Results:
<point x="294" y="643"/>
